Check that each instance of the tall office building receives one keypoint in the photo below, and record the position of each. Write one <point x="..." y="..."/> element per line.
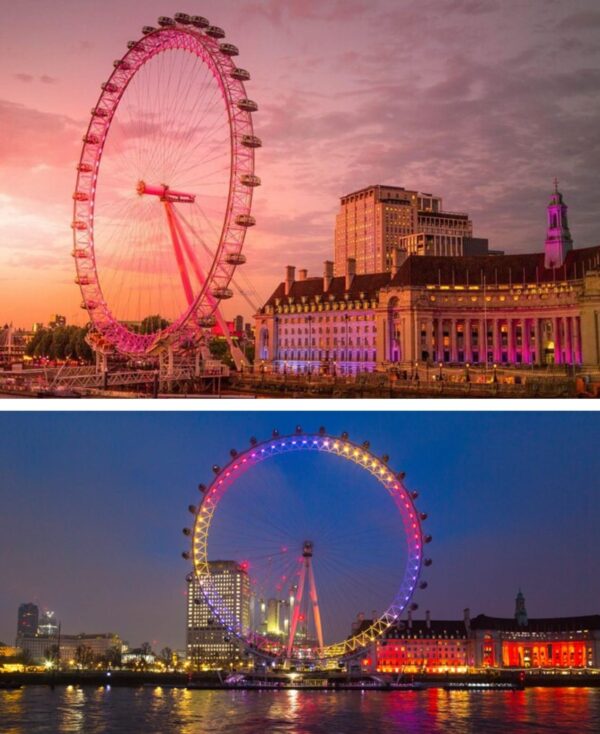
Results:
<point x="209" y="644"/>
<point x="374" y="222"/>
<point x="27" y="620"/>
<point x="47" y="626"/>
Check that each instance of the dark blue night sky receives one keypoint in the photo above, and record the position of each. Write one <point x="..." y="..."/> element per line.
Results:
<point x="93" y="505"/>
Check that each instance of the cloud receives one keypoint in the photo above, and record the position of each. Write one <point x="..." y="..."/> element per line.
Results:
<point x="45" y="79"/>
<point x="30" y="137"/>
<point x="584" y="20"/>
<point x="26" y="78"/>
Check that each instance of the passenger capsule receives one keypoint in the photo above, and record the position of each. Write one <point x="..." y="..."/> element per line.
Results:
<point x="345" y="435"/>
<point x="427" y="562"/>
<point x="233" y="453"/>
<point x="322" y="431"/>
<point x="81" y="196"/>
<point x="186" y="531"/>
<point x="199" y="22"/>
<point x="109" y="87"/>
<point x="192" y="509"/>
<point x="235" y="258"/>
<point x="202" y="488"/>
<point x="427" y="538"/>
<point x="83" y="280"/>
<point x="85" y="168"/>
<point x="99" y="112"/>
<point x="245" y="220"/>
<point x="215" y="32"/>
<point x="365" y="445"/>
<point x="216" y="468"/>
<point x="120" y="64"/>
<point x="275" y="433"/>
<point x="166" y="22"/>
<point x="80" y="254"/>
<point x="414" y="495"/>
<point x="247" y="105"/>
<point x="79" y="225"/>
<point x="249" y="179"/>
<point x="298" y="430"/>
<point x="91" y="139"/>
<point x="423" y="585"/>
<point x="229" y="49"/>
<point x="186" y="555"/>
<point x="253" y="441"/>
<point x="182" y="18"/>
<point x="241" y="75"/>
<point x="385" y="458"/>
<point x="131" y="44"/>
<point x="251" y="141"/>
<point x="423" y="516"/>
<point x="222" y="293"/>
<point x="147" y="29"/>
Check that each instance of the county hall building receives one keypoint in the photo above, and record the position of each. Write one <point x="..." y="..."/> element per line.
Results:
<point x="433" y="298"/>
<point x="482" y="642"/>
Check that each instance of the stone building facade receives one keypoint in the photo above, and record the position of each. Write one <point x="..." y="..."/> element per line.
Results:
<point x="529" y="309"/>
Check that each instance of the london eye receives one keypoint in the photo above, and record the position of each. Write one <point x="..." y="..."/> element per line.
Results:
<point x="163" y="196"/>
<point x="323" y="529"/>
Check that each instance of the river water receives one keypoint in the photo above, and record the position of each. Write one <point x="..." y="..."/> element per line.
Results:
<point x="90" y="710"/>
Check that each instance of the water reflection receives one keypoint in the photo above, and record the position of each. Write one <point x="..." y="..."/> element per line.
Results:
<point x="73" y="710"/>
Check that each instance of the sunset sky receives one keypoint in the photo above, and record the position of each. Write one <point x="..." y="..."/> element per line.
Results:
<point x="480" y="102"/>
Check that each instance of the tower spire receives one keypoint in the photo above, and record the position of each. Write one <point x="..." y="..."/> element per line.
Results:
<point x="558" y="237"/>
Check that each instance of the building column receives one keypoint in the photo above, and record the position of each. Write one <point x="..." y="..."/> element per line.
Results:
<point x="510" y="344"/>
<point x="557" y="339"/>
<point x="439" y="342"/>
<point x="481" y="341"/>
<point x="453" y="341"/>
<point x="467" y="341"/>
<point x="537" y="338"/>
<point x="495" y="340"/>
<point x="525" y="346"/>
<point x="577" y="339"/>
<point x="569" y="340"/>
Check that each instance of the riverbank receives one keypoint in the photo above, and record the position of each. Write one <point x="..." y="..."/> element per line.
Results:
<point x="313" y="681"/>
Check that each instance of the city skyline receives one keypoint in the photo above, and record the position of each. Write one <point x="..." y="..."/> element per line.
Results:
<point x="94" y="506"/>
<point x="517" y="90"/>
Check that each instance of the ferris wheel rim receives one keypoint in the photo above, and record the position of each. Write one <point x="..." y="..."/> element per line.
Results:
<point x="109" y="332"/>
<point x="361" y="456"/>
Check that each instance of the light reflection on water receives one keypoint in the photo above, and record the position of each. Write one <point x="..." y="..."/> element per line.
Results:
<point x="89" y="710"/>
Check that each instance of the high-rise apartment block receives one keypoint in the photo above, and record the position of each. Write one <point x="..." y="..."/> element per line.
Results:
<point x="209" y="643"/>
<point x="374" y="222"/>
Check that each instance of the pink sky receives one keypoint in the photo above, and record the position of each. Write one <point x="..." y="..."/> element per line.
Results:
<point x="478" y="101"/>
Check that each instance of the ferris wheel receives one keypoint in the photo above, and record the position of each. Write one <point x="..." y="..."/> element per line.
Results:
<point x="303" y="570"/>
<point x="164" y="189"/>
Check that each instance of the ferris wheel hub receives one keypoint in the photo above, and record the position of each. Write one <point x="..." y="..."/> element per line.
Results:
<point x="307" y="549"/>
<point x="165" y="193"/>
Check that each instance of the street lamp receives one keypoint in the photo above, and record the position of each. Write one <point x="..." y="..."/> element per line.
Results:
<point x="495" y="377"/>
<point x="467" y="378"/>
<point x="440" y="365"/>
<point x="416" y="373"/>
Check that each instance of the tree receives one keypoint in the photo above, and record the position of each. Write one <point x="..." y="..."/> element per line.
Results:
<point x="153" y="323"/>
<point x="113" y="658"/>
<point x="166" y="657"/>
<point x="84" y="656"/>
